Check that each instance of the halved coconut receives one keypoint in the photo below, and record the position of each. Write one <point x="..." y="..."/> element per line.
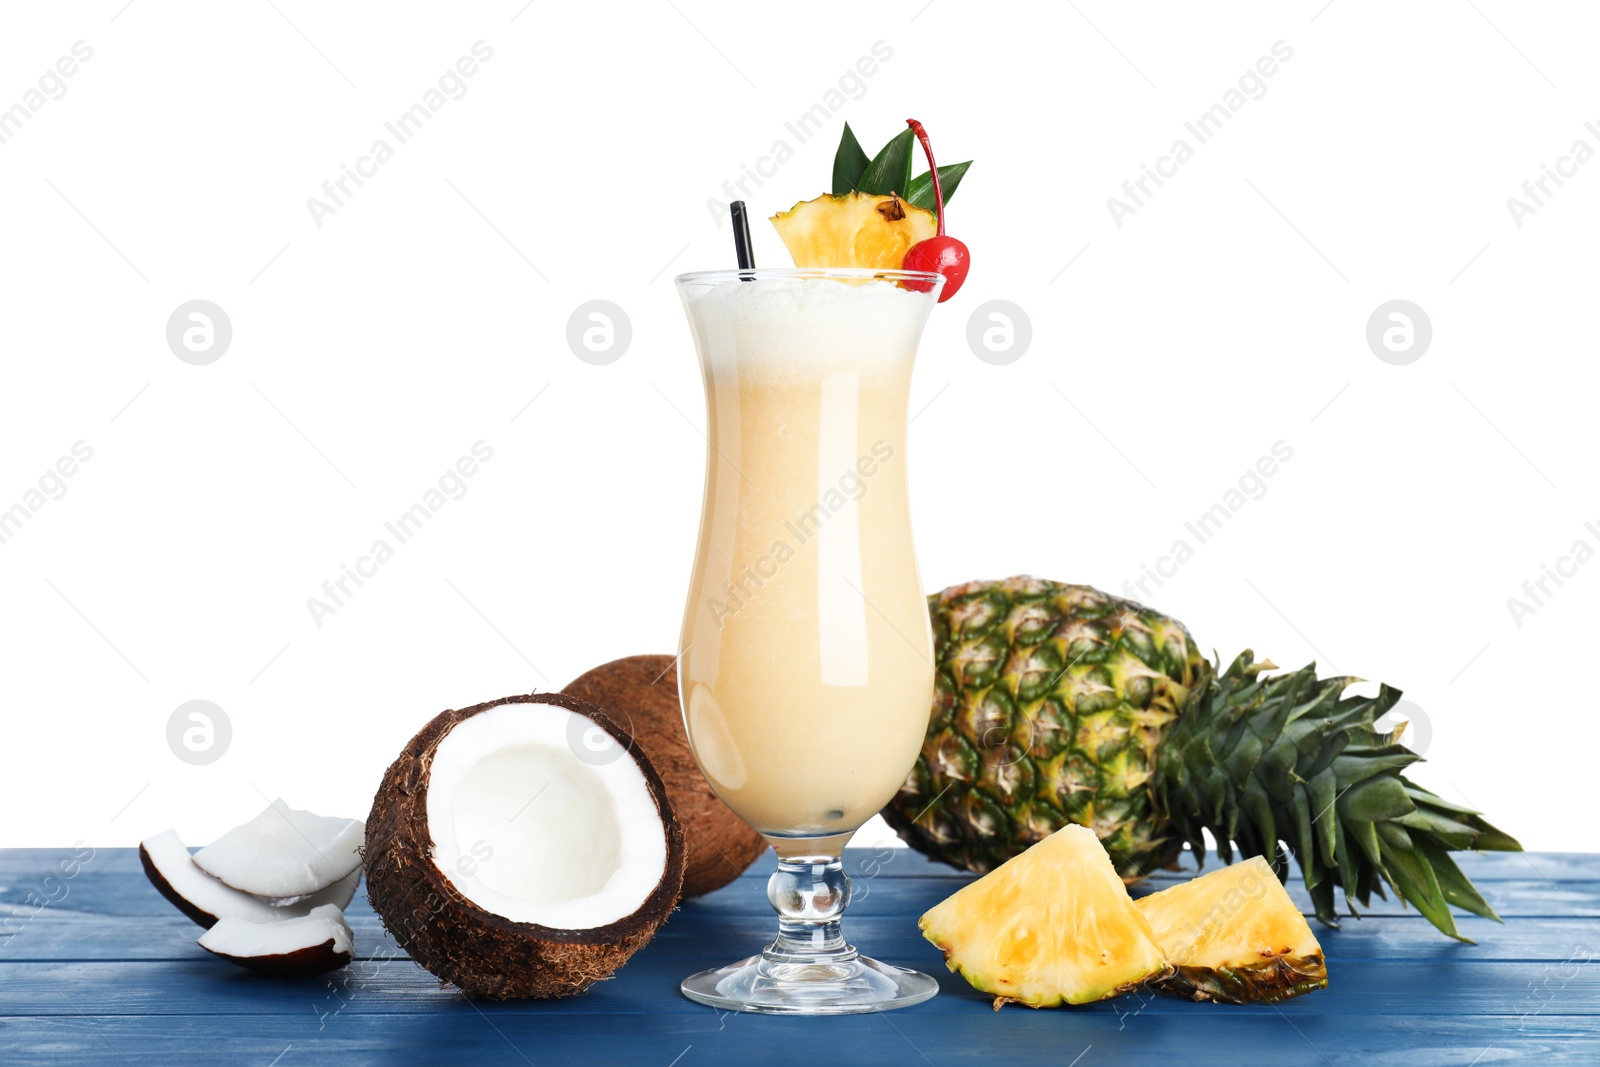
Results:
<point x="514" y="856"/>
<point x="285" y="948"/>
<point x="285" y="854"/>
<point x="204" y="899"/>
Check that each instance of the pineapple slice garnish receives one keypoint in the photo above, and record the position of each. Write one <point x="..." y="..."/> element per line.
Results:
<point x="853" y="230"/>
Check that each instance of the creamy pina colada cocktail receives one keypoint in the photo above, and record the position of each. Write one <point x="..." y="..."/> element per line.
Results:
<point x="807" y="674"/>
<point x="806" y="659"/>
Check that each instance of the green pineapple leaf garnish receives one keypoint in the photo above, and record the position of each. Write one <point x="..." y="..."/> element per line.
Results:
<point x="849" y="163"/>
<point x="890" y="170"/>
<point x="920" y="191"/>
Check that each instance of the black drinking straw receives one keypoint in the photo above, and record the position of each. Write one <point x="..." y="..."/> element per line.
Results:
<point x="741" y="239"/>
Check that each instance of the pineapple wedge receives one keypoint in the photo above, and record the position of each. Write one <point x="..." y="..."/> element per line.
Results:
<point x="1054" y="925"/>
<point x="1235" y="936"/>
<point x="854" y="230"/>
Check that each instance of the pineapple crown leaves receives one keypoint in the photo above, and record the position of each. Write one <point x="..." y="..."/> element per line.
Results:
<point x="890" y="171"/>
<point x="1264" y="761"/>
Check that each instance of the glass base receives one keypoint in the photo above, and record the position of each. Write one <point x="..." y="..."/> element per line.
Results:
<point x="842" y="987"/>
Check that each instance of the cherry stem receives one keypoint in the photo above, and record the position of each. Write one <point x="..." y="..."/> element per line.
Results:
<point x="933" y="170"/>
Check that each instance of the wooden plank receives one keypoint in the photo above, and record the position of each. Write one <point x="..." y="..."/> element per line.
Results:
<point x="126" y="893"/>
<point x="29" y="864"/>
<point x="1014" y="1038"/>
<point x="61" y="935"/>
<point x="1479" y="866"/>
<point x="1529" y="899"/>
<point x="205" y="986"/>
<point x="134" y="900"/>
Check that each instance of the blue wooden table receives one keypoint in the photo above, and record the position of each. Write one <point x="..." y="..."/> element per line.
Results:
<point x="96" y="966"/>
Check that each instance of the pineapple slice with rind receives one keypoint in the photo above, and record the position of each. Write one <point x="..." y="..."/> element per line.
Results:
<point x="1054" y="925"/>
<point x="1235" y="936"/>
<point x="853" y="230"/>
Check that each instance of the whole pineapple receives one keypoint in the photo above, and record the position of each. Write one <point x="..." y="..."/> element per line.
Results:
<point x="1059" y="704"/>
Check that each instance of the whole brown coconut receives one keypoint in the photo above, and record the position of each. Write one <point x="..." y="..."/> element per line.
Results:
<point x="641" y="692"/>
<point x="463" y="944"/>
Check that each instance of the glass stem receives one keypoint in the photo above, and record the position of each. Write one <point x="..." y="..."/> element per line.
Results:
<point x="810" y="894"/>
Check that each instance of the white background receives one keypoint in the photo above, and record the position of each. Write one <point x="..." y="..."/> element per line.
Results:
<point x="368" y="354"/>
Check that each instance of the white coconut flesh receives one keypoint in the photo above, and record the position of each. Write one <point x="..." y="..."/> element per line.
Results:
<point x="172" y="861"/>
<point x="285" y="853"/>
<point x="242" y="939"/>
<point x="528" y="829"/>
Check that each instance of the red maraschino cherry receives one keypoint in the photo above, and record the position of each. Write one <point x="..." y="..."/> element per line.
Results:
<point x="941" y="254"/>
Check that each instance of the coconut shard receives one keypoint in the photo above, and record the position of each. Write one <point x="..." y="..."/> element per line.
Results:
<point x="284" y="854"/>
<point x="315" y="943"/>
<point x="204" y="899"/>
<point x="523" y="848"/>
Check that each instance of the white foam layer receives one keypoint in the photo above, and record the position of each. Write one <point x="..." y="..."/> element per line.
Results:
<point x="807" y="327"/>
